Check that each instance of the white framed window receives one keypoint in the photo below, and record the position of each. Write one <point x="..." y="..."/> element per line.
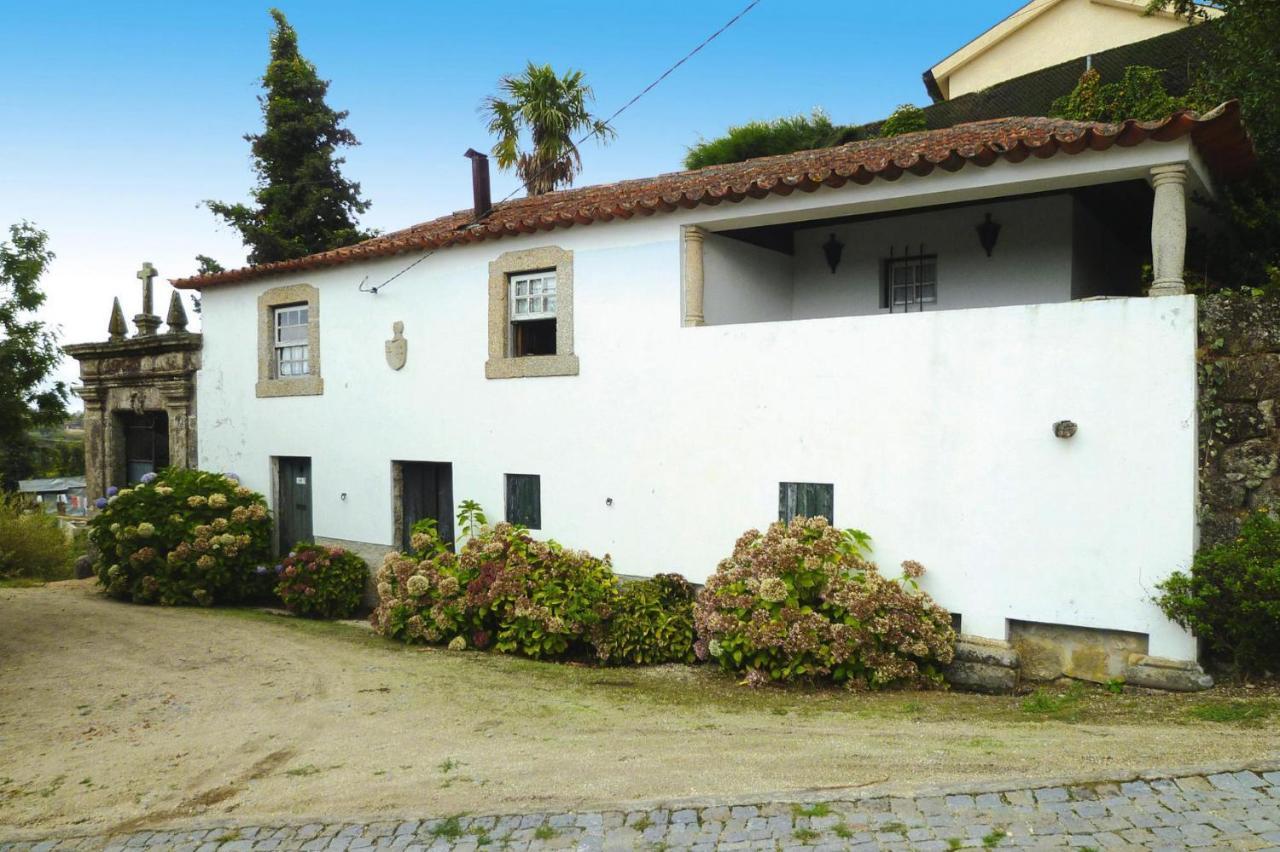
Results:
<point x="533" y="296"/>
<point x="293" y="356"/>
<point x="910" y="282"/>
<point x="533" y="313"/>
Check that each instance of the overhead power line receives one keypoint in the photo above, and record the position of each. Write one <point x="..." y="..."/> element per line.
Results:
<point x="593" y="132"/>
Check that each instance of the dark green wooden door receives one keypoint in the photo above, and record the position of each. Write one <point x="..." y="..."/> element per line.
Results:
<point x="293" y="503"/>
<point x="426" y="492"/>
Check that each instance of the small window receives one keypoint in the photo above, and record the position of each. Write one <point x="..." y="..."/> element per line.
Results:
<point x="524" y="500"/>
<point x="291" y="335"/>
<point x="533" y="314"/>
<point x="805" y="500"/>
<point x="910" y="282"/>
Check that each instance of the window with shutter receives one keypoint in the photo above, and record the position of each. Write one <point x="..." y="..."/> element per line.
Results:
<point x="524" y="500"/>
<point x="805" y="500"/>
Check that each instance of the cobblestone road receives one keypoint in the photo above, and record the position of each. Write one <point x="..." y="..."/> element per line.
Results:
<point x="1227" y="810"/>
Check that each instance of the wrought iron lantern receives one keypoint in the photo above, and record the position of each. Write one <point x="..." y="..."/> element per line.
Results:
<point x="988" y="233"/>
<point x="833" y="248"/>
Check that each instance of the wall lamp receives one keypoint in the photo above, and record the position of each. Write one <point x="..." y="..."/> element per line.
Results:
<point x="833" y="248"/>
<point x="988" y="233"/>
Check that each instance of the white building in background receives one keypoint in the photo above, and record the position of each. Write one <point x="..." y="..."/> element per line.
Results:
<point x="938" y="338"/>
<point x="1042" y="33"/>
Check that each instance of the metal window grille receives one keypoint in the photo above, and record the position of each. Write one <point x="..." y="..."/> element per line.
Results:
<point x="910" y="282"/>
<point x="291" y="341"/>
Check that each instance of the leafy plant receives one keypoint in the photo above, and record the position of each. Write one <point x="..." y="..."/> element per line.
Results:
<point x="801" y="601"/>
<point x="321" y="582"/>
<point x="471" y="519"/>
<point x="1231" y="598"/>
<point x="651" y="623"/>
<point x="1139" y="94"/>
<point x="907" y="118"/>
<point x="503" y="590"/>
<point x="552" y="109"/>
<point x="29" y="352"/>
<point x="765" y="139"/>
<point x="32" y="544"/>
<point x="183" y="537"/>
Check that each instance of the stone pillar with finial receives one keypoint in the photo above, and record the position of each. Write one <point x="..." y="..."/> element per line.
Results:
<point x="177" y="318"/>
<point x="147" y="322"/>
<point x="117" y="330"/>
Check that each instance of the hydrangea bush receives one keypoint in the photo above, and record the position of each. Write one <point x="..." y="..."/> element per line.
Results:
<point x="801" y="601"/>
<point x="652" y="623"/>
<point x="503" y="590"/>
<point x="183" y="537"/>
<point x="321" y="582"/>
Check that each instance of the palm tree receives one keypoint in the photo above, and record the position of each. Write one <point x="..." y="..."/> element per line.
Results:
<point x="553" y="110"/>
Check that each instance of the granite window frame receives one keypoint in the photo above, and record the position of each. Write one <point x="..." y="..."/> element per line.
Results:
<point x="269" y="384"/>
<point x="501" y="363"/>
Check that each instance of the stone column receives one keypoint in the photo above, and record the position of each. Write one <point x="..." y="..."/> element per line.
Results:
<point x="179" y="405"/>
<point x="1169" y="230"/>
<point x="694" y="276"/>
<point x="96" y="427"/>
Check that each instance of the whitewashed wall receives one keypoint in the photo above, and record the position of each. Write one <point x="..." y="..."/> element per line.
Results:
<point x="935" y="428"/>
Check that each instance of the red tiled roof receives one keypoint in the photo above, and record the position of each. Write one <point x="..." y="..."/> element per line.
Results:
<point x="1219" y="136"/>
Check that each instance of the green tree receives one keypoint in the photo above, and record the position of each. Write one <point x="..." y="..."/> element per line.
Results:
<point x="552" y="110"/>
<point x="766" y="138"/>
<point x="28" y="351"/>
<point x="302" y="203"/>
<point x="1245" y="65"/>
<point x="1139" y="94"/>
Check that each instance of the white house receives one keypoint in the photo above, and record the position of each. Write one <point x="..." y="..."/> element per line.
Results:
<point x="938" y="338"/>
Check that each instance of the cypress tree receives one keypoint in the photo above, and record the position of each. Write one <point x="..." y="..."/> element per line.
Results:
<point x="302" y="203"/>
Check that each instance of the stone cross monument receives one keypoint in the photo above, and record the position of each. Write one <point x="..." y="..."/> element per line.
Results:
<point x="139" y="394"/>
<point x="147" y="321"/>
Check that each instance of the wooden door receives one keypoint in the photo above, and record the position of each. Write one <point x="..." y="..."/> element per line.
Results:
<point x="426" y="491"/>
<point x="293" y="500"/>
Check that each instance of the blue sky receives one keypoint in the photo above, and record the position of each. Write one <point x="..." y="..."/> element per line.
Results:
<point x="119" y="118"/>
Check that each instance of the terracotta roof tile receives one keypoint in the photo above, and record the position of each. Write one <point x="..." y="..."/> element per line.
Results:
<point x="1219" y="135"/>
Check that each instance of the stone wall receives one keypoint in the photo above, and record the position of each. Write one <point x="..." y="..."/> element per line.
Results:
<point x="1239" y="353"/>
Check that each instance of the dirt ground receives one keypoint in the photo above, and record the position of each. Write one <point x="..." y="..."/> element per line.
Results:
<point x="116" y="717"/>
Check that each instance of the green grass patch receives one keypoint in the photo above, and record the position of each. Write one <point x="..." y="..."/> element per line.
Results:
<point x="1232" y="712"/>
<point x="449" y="829"/>
<point x="545" y="832"/>
<point x="1059" y="705"/>
<point x="991" y="840"/>
<point x="954" y="843"/>
<point x="804" y="835"/>
<point x="842" y="830"/>
<point x="820" y="809"/>
<point x="894" y="827"/>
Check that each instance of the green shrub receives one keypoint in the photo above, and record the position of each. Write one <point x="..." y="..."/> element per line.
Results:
<point x="321" y="582"/>
<point x="1140" y="95"/>
<point x="183" y="537"/>
<point x="503" y="590"/>
<point x="800" y="601"/>
<point x="652" y="623"/>
<point x="907" y="118"/>
<point x="1231" y="598"/>
<point x="32" y="544"/>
